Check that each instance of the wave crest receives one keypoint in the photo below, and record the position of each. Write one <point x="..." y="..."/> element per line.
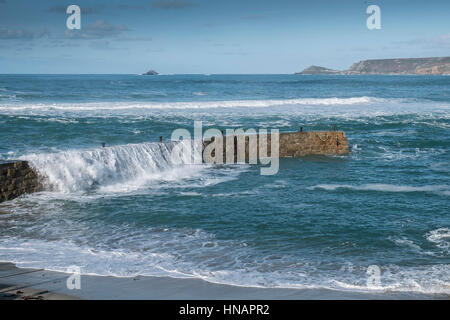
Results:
<point x="92" y="106"/>
<point x="81" y="170"/>
<point x="440" y="189"/>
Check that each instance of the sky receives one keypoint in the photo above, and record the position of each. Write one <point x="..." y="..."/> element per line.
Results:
<point x="215" y="37"/>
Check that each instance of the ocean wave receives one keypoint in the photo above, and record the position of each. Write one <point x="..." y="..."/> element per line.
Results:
<point x="92" y="106"/>
<point x="438" y="189"/>
<point x="199" y="93"/>
<point x="440" y="167"/>
<point x="166" y="252"/>
<point x="118" y="168"/>
<point x="440" y="237"/>
<point x="8" y="97"/>
<point x="411" y="245"/>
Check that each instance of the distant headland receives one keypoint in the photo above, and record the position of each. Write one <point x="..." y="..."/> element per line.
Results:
<point x="422" y="66"/>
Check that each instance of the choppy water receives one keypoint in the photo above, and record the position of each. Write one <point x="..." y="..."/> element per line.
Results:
<point x="132" y="209"/>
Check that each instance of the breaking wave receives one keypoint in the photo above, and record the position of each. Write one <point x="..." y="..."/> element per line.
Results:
<point x="89" y="106"/>
<point x="440" y="237"/>
<point x="442" y="189"/>
<point x="130" y="166"/>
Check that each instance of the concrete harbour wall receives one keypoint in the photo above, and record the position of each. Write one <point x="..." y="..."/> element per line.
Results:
<point x="291" y="145"/>
<point x="17" y="178"/>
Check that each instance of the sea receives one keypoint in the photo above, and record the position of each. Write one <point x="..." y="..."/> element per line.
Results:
<point x="377" y="220"/>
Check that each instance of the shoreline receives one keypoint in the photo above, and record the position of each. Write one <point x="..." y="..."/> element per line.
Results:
<point x="38" y="284"/>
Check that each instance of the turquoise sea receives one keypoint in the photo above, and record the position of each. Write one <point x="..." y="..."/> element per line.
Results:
<point x="130" y="209"/>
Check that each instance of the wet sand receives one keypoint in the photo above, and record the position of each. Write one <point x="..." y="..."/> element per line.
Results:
<point x="22" y="284"/>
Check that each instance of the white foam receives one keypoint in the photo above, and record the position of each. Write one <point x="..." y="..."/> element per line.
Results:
<point x="407" y="243"/>
<point x="440" y="166"/>
<point x="124" y="106"/>
<point x="354" y="108"/>
<point x="192" y="104"/>
<point x="190" y="194"/>
<point x="127" y="250"/>
<point x="403" y="242"/>
<point x="119" y="168"/>
<point x="199" y="255"/>
<point x="439" y="189"/>
<point x="440" y="237"/>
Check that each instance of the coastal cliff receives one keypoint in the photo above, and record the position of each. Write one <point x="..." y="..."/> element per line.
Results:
<point x="419" y="66"/>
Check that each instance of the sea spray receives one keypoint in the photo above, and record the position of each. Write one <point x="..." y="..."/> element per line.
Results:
<point x="82" y="170"/>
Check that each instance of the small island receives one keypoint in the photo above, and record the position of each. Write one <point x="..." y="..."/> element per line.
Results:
<point x="150" y="73"/>
<point x="413" y="66"/>
<point x="319" y="70"/>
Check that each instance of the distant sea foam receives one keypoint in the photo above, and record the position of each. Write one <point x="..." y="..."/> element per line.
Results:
<point x="194" y="104"/>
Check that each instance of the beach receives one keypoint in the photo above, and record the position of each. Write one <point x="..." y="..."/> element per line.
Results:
<point x="35" y="284"/>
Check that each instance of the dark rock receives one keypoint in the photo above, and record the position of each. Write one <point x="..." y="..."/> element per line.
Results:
<point x="318" y="70"/>
<point x="150" y="73"/>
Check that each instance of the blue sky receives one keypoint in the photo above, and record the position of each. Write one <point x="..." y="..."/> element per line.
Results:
<point x="211" y="36"/>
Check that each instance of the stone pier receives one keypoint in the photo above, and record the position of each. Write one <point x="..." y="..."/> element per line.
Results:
<point x="291" y="145"/>
<point x="17" y="178"/>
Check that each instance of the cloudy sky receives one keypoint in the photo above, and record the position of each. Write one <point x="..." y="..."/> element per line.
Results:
<point x="212" y="36"/>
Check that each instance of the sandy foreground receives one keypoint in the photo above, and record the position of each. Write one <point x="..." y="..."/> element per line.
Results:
<point x="37" y="284"/>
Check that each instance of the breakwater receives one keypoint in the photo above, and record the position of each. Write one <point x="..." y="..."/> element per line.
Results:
<point x="245" y="147"/>
<point x="17" y="178"/>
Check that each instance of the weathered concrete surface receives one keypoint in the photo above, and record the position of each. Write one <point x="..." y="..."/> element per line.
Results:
<point x="291" y="144"/>
<point x="17" y="178"/>
<point x="299" y="144"/>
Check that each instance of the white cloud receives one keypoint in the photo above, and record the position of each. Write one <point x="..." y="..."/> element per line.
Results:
<point x="172" y="4"/>
<point x="98" y="30"/>
<point x="24" y="34"/>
